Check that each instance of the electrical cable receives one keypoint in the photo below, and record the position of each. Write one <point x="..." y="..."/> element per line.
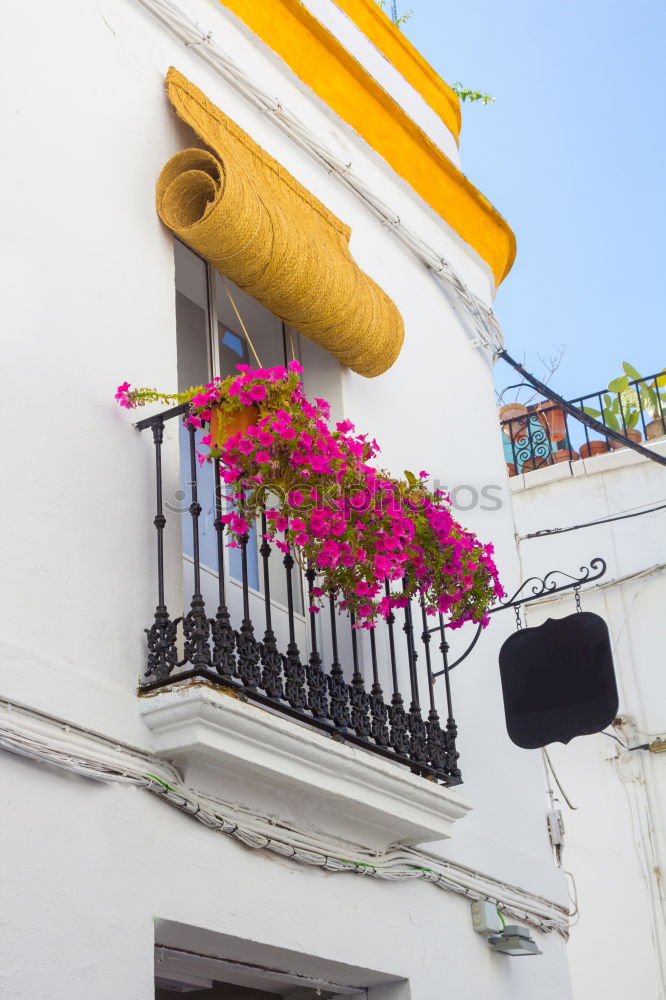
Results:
<point x="42" y="738"/>
<point x="641" y="746"/>
<point x="591" y="524"/>
<point x="557" y="781"/>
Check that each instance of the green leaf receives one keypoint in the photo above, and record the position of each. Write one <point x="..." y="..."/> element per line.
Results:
<point x="620" y="384"/>
<point x="631" y="419"/>
<point x="590" y="412"/>
<point x="631" y="371"/>
<point x="611" y="420"/>
<point x="410" y="477"/>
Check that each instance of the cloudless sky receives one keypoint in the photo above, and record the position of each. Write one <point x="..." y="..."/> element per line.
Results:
<point x="573" y="154"/>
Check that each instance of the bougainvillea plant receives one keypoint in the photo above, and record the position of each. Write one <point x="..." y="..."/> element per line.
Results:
<point x="325" y="501"/>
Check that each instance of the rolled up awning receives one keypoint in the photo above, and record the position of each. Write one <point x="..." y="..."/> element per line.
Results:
<point x="242" y="211"/>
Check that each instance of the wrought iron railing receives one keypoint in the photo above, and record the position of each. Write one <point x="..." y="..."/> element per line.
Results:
<point x="544" y="434"/>
<point x="317" y="669"/>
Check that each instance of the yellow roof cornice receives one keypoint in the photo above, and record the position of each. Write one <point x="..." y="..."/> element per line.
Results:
<point x="316" y="56"/>
<point x="369" y="17"/>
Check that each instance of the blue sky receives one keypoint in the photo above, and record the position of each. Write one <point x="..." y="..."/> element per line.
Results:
<point x="573" y="153"/>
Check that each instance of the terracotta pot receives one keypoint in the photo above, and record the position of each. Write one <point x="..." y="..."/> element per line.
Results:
<point x="593" y="448"/>
<point x="655" y="429"/>
<point x="551" y="418"/>
<point x="537" y="463"/>
<point x="517" y="414"/>
<point x="632" y="434"/>
<point x="511" y="469"/>
<point x="565" y="456"/>
<point x="238" y="425"/>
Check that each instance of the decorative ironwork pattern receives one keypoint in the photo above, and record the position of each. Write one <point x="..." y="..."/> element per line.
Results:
<point x="337" y="686"/>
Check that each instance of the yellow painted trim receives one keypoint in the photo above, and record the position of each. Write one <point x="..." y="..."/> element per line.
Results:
<point x="323" y="64"/>
<point x="369" y="17"/>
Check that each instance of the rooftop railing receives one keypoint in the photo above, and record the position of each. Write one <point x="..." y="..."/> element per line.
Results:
<point x="543" y="434"/>
<point x="248" y="631"/>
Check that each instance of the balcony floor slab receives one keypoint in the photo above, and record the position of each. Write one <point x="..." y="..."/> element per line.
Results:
<point x="262" y="761"/>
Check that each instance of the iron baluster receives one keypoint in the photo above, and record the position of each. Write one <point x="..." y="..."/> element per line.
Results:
<point x="378" y="709"/>
<point x="358" y="696"/>
<point x="659" y="406"/>
<point x="452" y="754"/>
<point x="317" y="688"/>
<point x="418" y="744"/>
<point x="397" y="714"/>
<point x="639" y="397"/>
<point x="271" y="661"/>
<point x="294" y="671"/>
<point x="224" y="643"/>
<point x="436" y="737"/>
<point x="196" y="626"/>
<point x="162" y="635"/>
<point x="337" y="688"/>
<point x="247" y="647"/>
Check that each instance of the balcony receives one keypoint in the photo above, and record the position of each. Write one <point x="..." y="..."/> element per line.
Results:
<point x="542" y="434"/>
<point x="249" y="683"/>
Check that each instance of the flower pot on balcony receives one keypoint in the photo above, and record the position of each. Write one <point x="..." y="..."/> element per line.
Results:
<point x="655" y="429"/>
<point x="239" y="423"/>
<point x="551" y="418"/>
<point x="511" y="469"/>
<point x="564" y="455"/>
<point x="594" y="448"/>
<point x="633" y="435"/>
<point x="517" y="414"/>
<point x="536" y="463"/>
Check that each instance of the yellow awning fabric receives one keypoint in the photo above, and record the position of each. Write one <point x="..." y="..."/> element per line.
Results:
<point x="247" y="215"/>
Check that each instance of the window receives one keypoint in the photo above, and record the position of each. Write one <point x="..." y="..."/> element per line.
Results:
<point x="218" y="326"/>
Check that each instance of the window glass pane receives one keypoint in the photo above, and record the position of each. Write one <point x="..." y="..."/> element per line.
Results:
<point x="191" y="318"/>
<point x="264" y="330"/>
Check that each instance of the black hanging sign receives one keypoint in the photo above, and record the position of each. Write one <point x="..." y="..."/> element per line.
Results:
<point x="558" y="680"/>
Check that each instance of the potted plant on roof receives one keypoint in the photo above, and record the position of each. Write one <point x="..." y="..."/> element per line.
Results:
<point x="631" y="396"/>
<point x="350" y="521"/>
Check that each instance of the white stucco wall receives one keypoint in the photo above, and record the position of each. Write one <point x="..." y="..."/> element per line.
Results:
<point x="614" y="843"/>
<point x="89" y="301"/>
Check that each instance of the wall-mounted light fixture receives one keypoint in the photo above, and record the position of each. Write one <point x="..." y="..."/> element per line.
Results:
<point x="514" y="940"/>
<point x="508" y="939"/>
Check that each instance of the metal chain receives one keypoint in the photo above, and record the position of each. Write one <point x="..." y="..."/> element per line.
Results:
<point x="519" y="624"/>
<point x="577" y="596"/>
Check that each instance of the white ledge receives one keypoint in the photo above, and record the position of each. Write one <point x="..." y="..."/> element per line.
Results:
<point x="260" y="760"/>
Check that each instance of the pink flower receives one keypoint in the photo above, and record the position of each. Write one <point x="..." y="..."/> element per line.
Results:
<point x="263" y="457"/>
<point x="294" y="366"/>
<point x="258" y="392"/>
<point x="345" y="426"/>
<point x="301" y="538"/>
<point x="246" y="446"/>
<point x="122" y="395"/>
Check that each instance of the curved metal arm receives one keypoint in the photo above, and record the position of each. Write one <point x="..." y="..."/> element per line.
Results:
<point x="548" y="584"/>
<point x="540" y="586"/>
